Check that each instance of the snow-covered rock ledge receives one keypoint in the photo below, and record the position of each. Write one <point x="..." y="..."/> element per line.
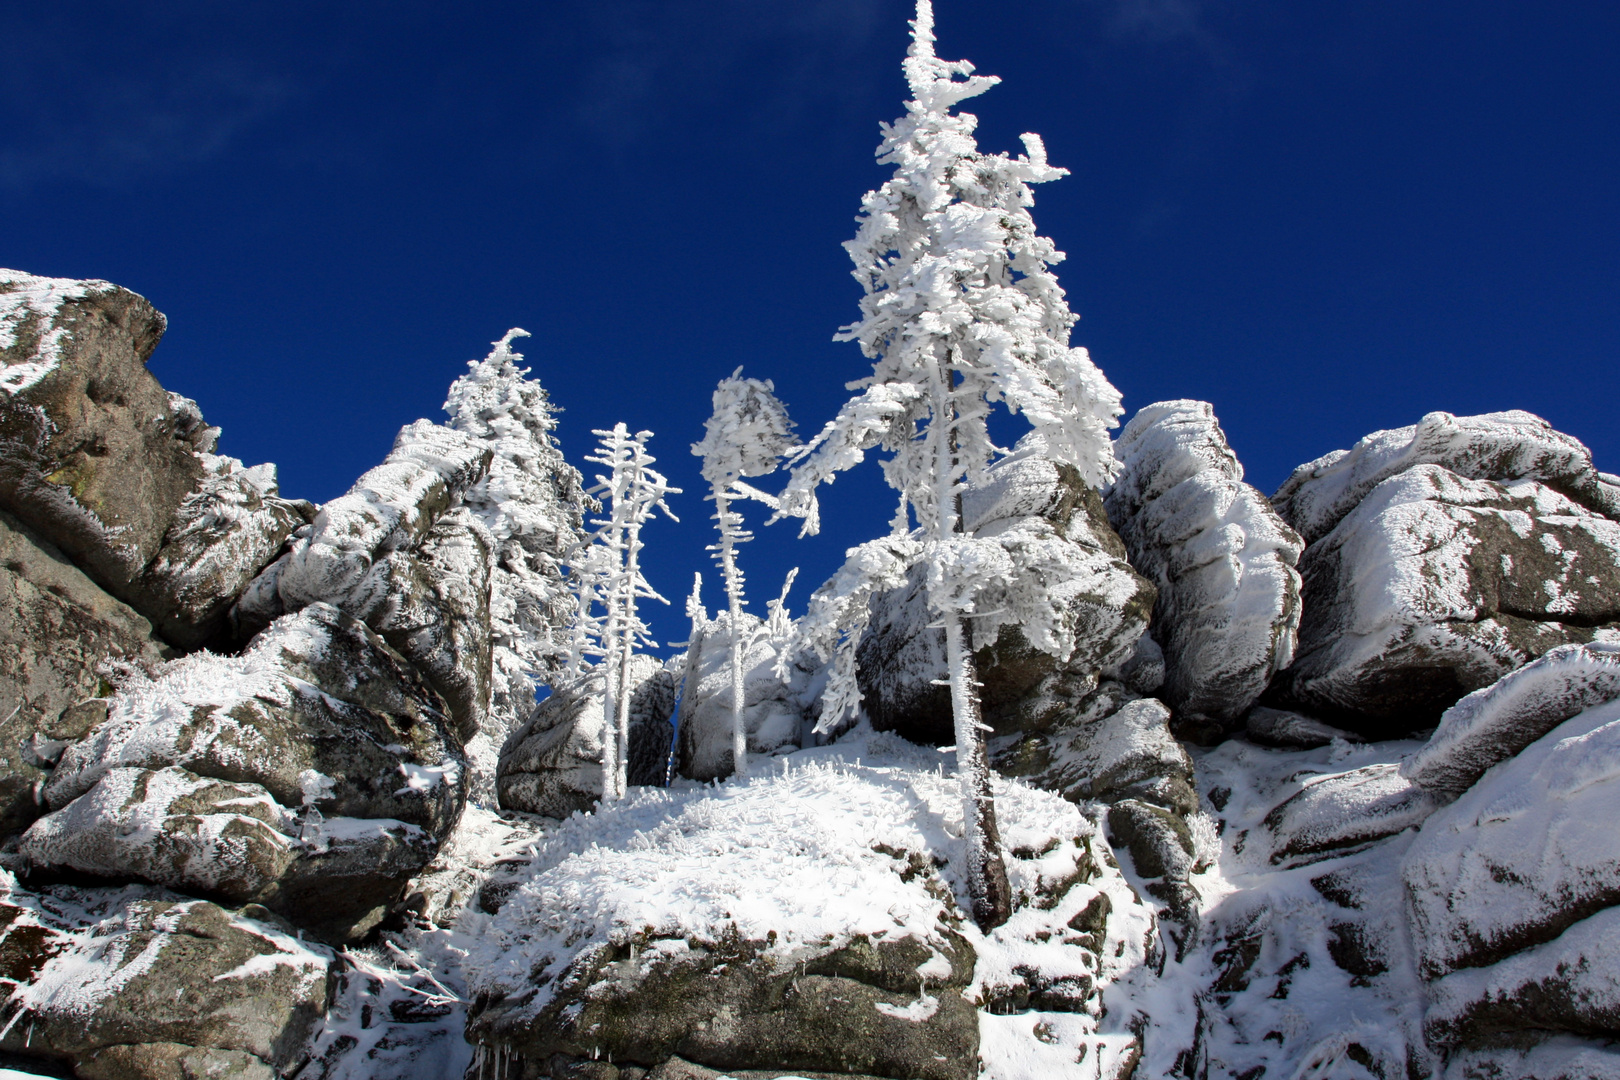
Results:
<point x="809" y="918"/>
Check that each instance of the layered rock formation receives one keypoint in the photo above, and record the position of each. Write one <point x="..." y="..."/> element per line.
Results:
<point x="1441" y="557"/>
<point x="182" y="827"/>
<point x="1228" y="604"/>
<point x="242" y="778"/>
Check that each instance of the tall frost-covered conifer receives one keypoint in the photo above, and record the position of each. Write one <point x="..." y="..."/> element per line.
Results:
<point x="607" y="572"/>
<point x="746" y="435"/>
<point x="533" y="506"/>
<point x="961" y="312"/>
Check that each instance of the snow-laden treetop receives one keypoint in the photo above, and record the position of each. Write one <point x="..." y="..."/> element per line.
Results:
<point x="957" y="278"/>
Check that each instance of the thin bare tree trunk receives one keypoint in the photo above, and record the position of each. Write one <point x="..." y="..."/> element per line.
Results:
<point x="987" y="872"/>
<point x="728" y="567"/>
<point x="988" y="889"/>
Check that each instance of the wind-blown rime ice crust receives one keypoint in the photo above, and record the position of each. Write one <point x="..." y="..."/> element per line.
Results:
<point x="1502" y="446"/>
<point x="1223" y="561"/>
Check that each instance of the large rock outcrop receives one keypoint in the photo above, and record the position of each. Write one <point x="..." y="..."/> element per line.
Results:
<point x="315" y="774"/>
<point x="552" y="764"/>
<point x="395" y="553"/>
<point x="1441" y="558"/>
<point x="126" y="985"/>
<point x="1228" y="604"/>
<point x="118" y="473"/>
<point x="1057" y="532"/>
<point x="773" y="715"/>
<point x="59" y="629"/>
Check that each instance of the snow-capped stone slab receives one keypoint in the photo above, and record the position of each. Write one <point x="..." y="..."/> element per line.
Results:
<point x="552" y="764"/>
<point x="1339" y="811"/>
<point x="1491" y="725"/>
<point x="163" y="979"/>
<point x="1569" y="984"/>
<point x="1436" y="585"/>
<point x="1502" y="446"/>
<point x="1223" y="561"/>
<point x="236" y="776"/>
<point x="772" y="715"/>
<point x="1060" y="554"/>
<point x="1525" y="853"/>
<point x="805" y="920"/>
<point x="390" y="508"/>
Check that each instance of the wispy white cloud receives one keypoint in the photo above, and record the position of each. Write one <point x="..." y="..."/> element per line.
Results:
<point x="69" y="122"/>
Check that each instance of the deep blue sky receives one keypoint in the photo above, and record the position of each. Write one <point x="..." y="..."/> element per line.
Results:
<point x="1324" y="218"/>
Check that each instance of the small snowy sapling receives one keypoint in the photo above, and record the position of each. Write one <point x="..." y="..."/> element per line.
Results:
<point x="961" y="311"/>
<point x="746" y="435"/>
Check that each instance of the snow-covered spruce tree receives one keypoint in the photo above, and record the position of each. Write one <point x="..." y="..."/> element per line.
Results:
<point x="611" y="576"/>
<point x="746" y="435"/>
<point x="533" y="505"/>
<point x="961" y="312"/>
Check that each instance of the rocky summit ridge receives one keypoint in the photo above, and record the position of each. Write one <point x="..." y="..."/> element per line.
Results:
<point x="1317" y="785"/>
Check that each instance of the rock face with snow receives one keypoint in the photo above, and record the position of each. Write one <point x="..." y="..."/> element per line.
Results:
<point x="773" y="715"/>
<point x="1030" y="503"/>
<point x="1513" y="888"/>
<point x="1228" y="604"/>
<point x="1442" y="557"/>
<point x="1502" y="446"/>
<point x="679" y="929"/>
<point x="118" y="473"/>
<point x="1492" y="725"/>
<point x="127" y="986"/>
<point x="552" y="764"/>
<point x="95" y="455"/>
<point x="392" y="554"/>
<point x="240" y="778"/>
<point x="59" y="628"/>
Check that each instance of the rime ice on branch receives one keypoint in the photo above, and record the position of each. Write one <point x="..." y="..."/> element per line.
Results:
<point x="607" y="574"/>
<point x="746" y="435"/>
<point x="961" y="311"/>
